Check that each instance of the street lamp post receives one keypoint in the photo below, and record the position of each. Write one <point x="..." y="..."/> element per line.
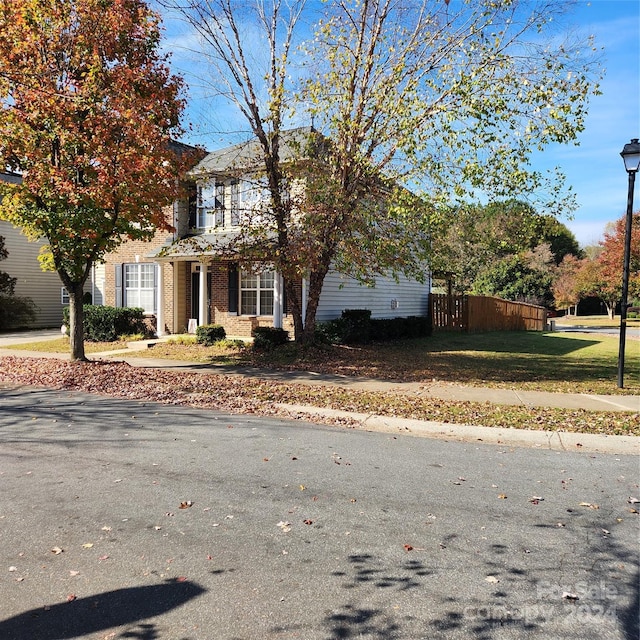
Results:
<point x="631" y="156"/>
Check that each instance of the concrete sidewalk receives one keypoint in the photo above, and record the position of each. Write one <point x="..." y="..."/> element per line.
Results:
<point x="559" y="441"/>
<point x="441" y="390"/>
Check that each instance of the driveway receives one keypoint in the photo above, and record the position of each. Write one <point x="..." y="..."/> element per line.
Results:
<point x="134" y="520"/>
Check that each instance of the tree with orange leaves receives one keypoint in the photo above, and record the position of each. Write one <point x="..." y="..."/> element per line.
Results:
<point x="87" y="110"/>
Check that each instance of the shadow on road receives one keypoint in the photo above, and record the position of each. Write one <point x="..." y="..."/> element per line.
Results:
<point x="79" y="618"/>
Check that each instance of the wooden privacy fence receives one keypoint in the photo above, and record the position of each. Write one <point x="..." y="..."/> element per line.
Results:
<point x="485" y="313"/>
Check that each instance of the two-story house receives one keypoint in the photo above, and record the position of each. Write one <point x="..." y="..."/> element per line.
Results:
<point x="191" y="276"/>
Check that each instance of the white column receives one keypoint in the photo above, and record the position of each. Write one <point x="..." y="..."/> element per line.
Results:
<point x="203" y="298"/>
<point x="160" y="300"/>
<point x="277" y="301"/>
<point x="305" y="293"/>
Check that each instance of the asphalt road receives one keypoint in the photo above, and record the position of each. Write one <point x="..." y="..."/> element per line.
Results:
<point x="291" y="530"/>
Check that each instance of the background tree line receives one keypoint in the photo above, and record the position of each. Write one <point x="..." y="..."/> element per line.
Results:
<point x="507" y="249"/>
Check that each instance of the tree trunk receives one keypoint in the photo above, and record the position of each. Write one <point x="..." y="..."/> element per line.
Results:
<point x="76" y="322"/>
<point x="316" y="281"/>
<point x="294" y="303"/>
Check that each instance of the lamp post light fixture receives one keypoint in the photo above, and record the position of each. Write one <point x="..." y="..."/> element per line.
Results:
<point x="631" y="156"/>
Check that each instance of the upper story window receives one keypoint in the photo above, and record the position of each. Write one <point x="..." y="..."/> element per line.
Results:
<point x="210" y="205"/>
<point x="230" y="203"/>
<point x="218" y="204"/>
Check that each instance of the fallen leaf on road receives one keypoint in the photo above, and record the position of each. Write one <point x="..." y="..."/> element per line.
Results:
<point x="308" y="521"/>
<point x="492" y="579"/>
<point x="103" y="558"/>
<point x="633" y="500"/>
<point x="408" y="547"/>
<point x="87" y="545"/>
<point x="589" y="504"/>
<point x="57" y="551"/>
<point x="284" y="525"/>
<point x="13" y="569"/>
<point x="502" y="496"/>
<point x="71" y="597"/>
<point x="536" y="499"/>
<point x="566" y="595"/>
<point x="186" y="504"/>
<point x="74" y="573"/>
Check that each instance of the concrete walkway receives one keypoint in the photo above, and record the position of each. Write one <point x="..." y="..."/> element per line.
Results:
<point x="440" y="390"/>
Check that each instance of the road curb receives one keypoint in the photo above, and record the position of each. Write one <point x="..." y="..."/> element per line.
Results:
<point x="552" y="440"/>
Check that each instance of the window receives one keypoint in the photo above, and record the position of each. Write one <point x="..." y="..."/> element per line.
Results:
<point x="256" y="293"/>
<point x="210" y="205"/>
<point x="140" y="286"/>
<point x="64" y="296"/>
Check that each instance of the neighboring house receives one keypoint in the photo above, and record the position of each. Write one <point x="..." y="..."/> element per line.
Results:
<point x="43" y="287"/>
<point x="190" y="277"/>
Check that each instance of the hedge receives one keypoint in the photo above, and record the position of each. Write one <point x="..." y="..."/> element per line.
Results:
<point x="107" y="324"/>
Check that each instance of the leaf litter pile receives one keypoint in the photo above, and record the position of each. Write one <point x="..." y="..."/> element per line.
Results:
<point x="240" y="394"/>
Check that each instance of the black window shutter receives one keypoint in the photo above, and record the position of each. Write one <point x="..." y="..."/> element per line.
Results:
<point x="233" y="287"/>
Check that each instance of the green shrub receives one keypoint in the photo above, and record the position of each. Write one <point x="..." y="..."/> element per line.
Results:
<point x="16" y="312"/>
<point x="269" y="337"/>
<point x="107" y="324"/>
<point x="343" y="330"/>
<point x="356" y="326"/>
<point x="329" y="332"/>
<point x="209" y="334"/>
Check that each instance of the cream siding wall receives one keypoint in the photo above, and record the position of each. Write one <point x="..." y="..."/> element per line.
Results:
<point x="43" y="287"/>
<point x="387" y="299"/>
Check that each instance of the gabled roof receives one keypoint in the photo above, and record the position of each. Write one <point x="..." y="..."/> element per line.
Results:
<point x="294" y="144"/>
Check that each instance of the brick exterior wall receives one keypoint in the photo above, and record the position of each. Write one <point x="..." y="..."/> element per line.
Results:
<point x="133" y="251"/>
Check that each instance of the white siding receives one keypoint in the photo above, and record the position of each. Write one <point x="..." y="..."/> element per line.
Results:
<point x="387" y="299"/>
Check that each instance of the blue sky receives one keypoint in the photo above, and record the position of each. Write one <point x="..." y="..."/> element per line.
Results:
<point x="593" y="168"/>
